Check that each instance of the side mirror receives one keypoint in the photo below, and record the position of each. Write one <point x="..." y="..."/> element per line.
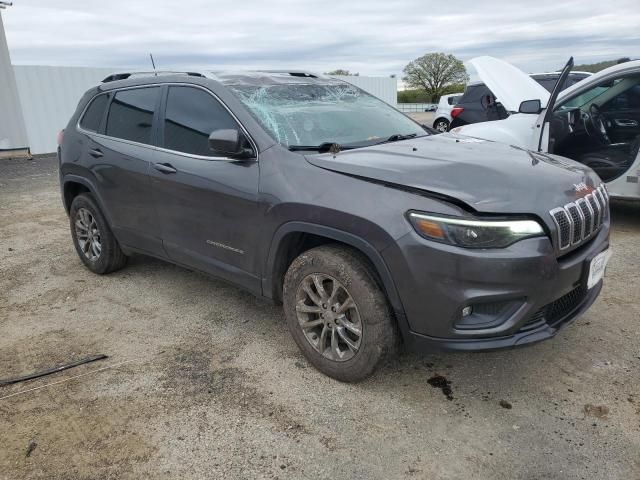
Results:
<point x="230" y="143"/>
<point x="530" y="106"/>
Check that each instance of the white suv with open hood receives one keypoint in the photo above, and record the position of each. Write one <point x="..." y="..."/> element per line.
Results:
<point x="595" y="122"/>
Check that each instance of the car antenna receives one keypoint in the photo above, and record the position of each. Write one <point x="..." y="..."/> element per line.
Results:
<point x="153" y="64"/>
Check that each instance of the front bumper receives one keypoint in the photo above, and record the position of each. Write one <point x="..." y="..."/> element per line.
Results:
<point x="538" y="292"/>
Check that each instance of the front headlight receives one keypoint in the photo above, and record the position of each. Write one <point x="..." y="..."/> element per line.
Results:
<point x="474" y="233"/>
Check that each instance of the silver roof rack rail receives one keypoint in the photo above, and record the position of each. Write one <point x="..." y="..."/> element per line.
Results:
<point x="295" y="73"/>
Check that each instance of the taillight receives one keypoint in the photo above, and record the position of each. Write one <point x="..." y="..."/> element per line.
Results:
<point x="455" y="111"/>
<point x="60" y="137"/>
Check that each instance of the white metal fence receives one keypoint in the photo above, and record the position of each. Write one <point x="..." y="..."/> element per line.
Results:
<point x="415" y="107"/>
<point x="49" y="96"/>
<point x="385" y="88"/>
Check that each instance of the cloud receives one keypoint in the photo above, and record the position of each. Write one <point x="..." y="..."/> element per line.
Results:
<point x="374" y="38"/>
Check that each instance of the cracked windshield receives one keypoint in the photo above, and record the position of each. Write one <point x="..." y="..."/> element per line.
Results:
<point x="311" y="115"/>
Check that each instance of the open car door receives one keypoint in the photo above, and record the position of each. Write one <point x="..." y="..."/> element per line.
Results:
<point x="545" y="115"/>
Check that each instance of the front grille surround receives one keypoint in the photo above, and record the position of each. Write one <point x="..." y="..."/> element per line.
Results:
<point x="576" y="222"/>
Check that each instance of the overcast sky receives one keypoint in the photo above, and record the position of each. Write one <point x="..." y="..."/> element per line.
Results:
<point x="372" y="37"/>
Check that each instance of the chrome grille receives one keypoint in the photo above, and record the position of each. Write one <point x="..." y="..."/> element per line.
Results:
<point x="587" y="213"/>
<point x="577" y="222"/>
<point x="577" y="219"/>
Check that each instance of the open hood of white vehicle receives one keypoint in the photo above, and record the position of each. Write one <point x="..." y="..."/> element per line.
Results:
<point x="510" y="85"/>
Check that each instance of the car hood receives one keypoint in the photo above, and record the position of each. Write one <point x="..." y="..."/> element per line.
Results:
<point x="510" y="85"/>
<point x="489" y="177"/>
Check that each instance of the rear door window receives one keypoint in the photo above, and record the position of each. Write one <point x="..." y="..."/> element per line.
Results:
<point x="190" y="117"/>
<point x="93" y="115"/>
<point x="131" y="114"/>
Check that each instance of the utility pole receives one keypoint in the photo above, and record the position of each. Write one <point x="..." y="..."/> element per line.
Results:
<point x="13" y="133"/>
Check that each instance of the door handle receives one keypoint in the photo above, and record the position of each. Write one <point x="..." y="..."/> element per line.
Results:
<point x="625" y="123"/>
<point x="164" y="167"/>
<point x="95" y="153"/>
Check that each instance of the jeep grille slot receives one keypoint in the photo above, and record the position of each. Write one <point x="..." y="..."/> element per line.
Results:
<point x="577" y="222"/>
<point x="564" y="223"/>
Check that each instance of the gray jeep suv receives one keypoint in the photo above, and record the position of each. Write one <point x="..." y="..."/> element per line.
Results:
<point x="307" y="191"/>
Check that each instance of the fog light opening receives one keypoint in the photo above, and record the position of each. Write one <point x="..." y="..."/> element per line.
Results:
<point x="466" y="311"/>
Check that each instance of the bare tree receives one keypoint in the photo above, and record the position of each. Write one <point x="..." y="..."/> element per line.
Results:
<point x="433" y="72"/>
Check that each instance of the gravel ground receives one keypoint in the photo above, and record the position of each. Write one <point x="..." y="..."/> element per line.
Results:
<point x="425" y="118"/>
<point x="203" y="380"/>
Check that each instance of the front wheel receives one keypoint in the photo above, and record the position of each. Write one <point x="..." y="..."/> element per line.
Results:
<point x="337" y="313"/>
<point x="441" y="124"/>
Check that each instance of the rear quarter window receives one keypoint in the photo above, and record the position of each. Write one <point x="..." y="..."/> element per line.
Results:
<point x="93" y="115"/>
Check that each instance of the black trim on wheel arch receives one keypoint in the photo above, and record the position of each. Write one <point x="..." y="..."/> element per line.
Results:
<point x="71" y="178"/>
<point x="349" y="239"/>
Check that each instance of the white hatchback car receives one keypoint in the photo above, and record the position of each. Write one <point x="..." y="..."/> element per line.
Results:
<point x="442" y="117"/>
<point x="595" y="121"/>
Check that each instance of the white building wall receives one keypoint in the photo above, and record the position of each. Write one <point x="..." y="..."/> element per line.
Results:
<point x="385" y="88"/>
<point x="13" y="134"/>
<point x="49" y="96"/>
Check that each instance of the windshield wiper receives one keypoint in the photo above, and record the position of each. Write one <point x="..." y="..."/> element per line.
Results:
<point x="336" y="147"/>
<point x="396" y="137"/>
<point x="322" y="148"/>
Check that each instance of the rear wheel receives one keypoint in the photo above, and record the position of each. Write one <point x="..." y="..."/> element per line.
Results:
<point x="337" y="313"/>
<point x="95" y="243"/>
<point x="441" y="124"/>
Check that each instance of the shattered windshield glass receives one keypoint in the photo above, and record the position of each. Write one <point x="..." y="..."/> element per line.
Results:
<point x="313" y="114"/>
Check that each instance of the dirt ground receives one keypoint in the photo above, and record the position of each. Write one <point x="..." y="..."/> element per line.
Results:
<point x="203" y="380"/>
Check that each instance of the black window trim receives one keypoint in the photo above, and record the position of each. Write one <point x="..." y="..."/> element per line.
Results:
<point x="103" y="124"/>
<point x="158" y="118"/>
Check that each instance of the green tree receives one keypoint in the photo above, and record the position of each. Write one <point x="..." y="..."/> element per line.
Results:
<point x="421" y="96"/>
<point x="434" y="72"/>
<point x="340" y="71"/>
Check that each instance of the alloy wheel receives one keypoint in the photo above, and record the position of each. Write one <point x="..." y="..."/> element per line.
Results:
<point x="329" y="317"/>
<point x="442" y="126"/>
<point x="88" y="234"/>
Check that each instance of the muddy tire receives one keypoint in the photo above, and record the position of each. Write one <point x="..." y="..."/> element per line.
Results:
<point x="95" y="243"/>
<point x="337" y="313"/>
